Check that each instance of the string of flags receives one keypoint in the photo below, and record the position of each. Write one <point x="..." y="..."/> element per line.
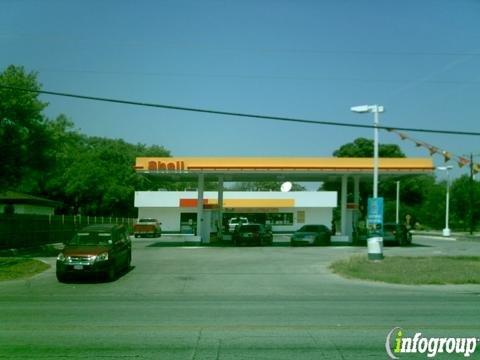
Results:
<point x="447" y="155"/>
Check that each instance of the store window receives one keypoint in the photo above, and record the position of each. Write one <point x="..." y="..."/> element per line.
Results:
<point x="262" y="218"/>
<point x="301" y="217"/>
<point x="279" y="219"/>
<point x="188" y="223"/>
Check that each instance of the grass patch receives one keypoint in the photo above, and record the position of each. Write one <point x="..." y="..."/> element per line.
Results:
<point x="433" y="270"/>
<point x="50" y="250"/>
<point x="18" y="268"/>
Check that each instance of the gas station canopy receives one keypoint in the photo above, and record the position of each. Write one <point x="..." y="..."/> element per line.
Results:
<point x="304" y="169"/>
<point x="277" y="168"/>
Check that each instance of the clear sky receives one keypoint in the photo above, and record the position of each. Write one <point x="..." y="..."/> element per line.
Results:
<point x="304" y="59"/>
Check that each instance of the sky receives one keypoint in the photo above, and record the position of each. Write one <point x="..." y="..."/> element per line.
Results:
<point x="302" y="59"/>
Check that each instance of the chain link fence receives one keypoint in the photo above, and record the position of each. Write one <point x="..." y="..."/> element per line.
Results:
<point x="22" y="230"/>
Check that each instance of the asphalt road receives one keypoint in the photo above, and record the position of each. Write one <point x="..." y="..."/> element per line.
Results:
<point x="231" y="303"/>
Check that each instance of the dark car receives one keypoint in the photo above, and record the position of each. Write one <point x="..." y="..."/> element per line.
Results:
<point x="311" y="235"/>
<point x="398" y="234"/>
<point x="257" y="234"/>
<point x="95" y="250"/>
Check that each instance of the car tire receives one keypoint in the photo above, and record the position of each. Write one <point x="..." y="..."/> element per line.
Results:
<point x="129" y="260"/>
<point x="61" y="277"/>
<point x="111" y="273"/>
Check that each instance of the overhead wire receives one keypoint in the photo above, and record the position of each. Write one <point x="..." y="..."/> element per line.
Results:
<point x="237" y="114"/>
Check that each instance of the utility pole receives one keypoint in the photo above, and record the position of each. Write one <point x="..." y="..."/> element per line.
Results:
<point x="471" y="192"/>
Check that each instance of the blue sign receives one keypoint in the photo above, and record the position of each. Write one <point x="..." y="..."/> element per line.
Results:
<point x="375" y="212"/>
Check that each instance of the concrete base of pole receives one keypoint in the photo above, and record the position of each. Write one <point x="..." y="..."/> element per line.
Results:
<point x="446" y="232"/>
<point x="375" y="248"/>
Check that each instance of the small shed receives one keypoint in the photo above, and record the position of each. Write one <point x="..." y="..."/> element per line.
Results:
<point x="12" y="202"/>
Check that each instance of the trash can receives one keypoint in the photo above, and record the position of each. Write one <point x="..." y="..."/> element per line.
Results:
<point x="375" y="248"/>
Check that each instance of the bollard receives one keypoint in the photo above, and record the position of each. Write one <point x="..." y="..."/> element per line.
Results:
<point x="375" y="248"/>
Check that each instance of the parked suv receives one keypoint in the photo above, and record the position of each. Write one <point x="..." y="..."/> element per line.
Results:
<point x="96" y="250"/>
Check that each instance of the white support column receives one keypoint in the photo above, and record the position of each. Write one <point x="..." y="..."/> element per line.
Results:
<point x="356" y="190"/>
<point x="220" y="207"/>
<point x="343" y="206"/>
<point x="201" y="186"/>
<point x="356" y="198"/>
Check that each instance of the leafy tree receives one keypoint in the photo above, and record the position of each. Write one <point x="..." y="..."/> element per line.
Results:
<point x="461" y="193"/>
<point x="99" y="179"/>
<point x="416" y="190"/>
<point x="362" y="147"/>
<point x="24" y="141"/>
<point x="51" y="158"/>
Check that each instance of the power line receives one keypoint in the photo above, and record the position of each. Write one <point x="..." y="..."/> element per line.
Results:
<point x="253" y="76"/>
<point x="229" y="113"/>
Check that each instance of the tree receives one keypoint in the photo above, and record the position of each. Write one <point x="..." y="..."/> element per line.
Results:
<point x="24" y="141"/>
<point x="99" y="178"/>
<point x="415" y="189"/>
<point x="416" y="192"/>
<point x="91" y="175"/>
<point x="362" y="147"/>
<point x="460" y="202"/>
<point x="51" y="158"/>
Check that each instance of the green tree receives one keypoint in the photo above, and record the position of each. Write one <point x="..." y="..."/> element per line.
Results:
<point x="362" y="147"/>
<point x="417" y="191"/>
<point x="93" y="175"/>
<point x="24" y="141"/>
<point x="100" y="178"/>
<point x="460" y="194"/>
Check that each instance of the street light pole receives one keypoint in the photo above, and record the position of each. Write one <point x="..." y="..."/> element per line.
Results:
<point x="375" y="243"/>
<point x="375" y="150"/>
<point x="397" y="207"/>
<point x="375" y="109"/>
<point x="446" y="231"/>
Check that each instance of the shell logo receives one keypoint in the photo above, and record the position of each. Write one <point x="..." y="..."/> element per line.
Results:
<point x="166" y="166"/>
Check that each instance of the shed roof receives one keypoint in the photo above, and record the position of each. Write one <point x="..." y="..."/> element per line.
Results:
<point x="12" y="197"/>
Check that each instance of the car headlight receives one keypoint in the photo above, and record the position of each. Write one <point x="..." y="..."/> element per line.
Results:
<point x="102" y="257"/>
<point x="61" y="257"/>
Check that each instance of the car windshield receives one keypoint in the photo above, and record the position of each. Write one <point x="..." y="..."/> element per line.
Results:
<point x="147" y="220"/>
<point x="311" y="228"/>
<point x="238" y="221"/>
<point x="91" y="238"/>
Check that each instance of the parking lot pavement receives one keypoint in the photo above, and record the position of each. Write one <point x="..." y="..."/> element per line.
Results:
<point x="195" y="302"/>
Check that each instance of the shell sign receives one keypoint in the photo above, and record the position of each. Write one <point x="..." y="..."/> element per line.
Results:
<point x="161" y="165"/>
<point x="166" y="166"/>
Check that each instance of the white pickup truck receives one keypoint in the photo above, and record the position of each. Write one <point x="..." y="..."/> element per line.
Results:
<point x="234" y="222"/>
